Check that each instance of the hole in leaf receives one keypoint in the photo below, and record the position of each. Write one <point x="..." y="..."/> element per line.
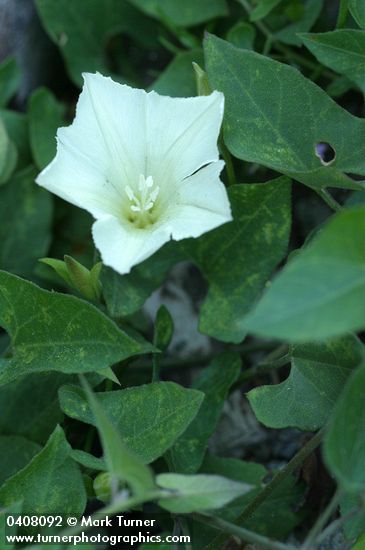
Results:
<point x="325" y="152"/>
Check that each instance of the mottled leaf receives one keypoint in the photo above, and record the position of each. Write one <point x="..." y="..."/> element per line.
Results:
<point x="52" y="331"/>
<point x="280" y="125"/>
<point x="252" y="246"/>
<point x="149" y="418"/>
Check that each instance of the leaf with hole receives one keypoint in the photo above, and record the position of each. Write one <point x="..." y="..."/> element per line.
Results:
<point x="280" y="125"/>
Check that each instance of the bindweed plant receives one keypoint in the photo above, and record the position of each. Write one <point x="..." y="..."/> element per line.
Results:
<point x="182" y="275"/>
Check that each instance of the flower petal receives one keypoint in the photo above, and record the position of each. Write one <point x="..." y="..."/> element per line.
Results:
<point x="123" y="246"/>
<point x="76" y="180"/>
<point x="202" y="204"/>
<point x="102" y="150"/>
<point x="182" y="135"/>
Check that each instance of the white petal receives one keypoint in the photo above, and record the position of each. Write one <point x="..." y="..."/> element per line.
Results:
<point x="102" y="150"/>
<point x="182" y="134"/>
<point x="202" y="204"/>
<point x="76" y="180"/>
<point x="122" y="246"/>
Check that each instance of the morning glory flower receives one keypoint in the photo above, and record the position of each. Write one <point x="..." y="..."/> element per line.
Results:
<point x="145" y="166"/>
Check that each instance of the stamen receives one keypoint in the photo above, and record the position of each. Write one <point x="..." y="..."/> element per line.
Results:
<point x="143" y="200"/>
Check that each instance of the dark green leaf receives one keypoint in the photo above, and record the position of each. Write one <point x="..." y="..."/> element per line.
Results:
<point x="15" y="453"/>
<point x="8" y="154"/>
<point x="164" y="329"/>
<point x="83" y="45"/>
<point x="320" y="293"/>
<point x="50" y="484"/>
<point x="188" y="452"/>
<point x="16" y="125"/>
<point x="10" y="77"/>
<point x="345" y="442"/>
<point x="78" y="337"/>
<point x="160" y="413"/>
<point x="279" y="125"/>
<point x="238" y="258"/>
<point x="289" y="35"/>
<point x="26" y="217"/>
<point x="34" y="418"/>
<point x="306" y="398"/>
<point x="14" y="509"/>
<point x="125" y="294"/>
<point x="199" y="492"/>
<point x="183" y="14"/>
<point x="122" y="464"/>
<point x="242" y="35"/>
<point x="177" y="80"/>
<point x="46" y="114"/>
<point x="263" y="8"/>
<point x="88" y="461"/>
<point x="357" y="9"/>
<point x="342" y="50"/>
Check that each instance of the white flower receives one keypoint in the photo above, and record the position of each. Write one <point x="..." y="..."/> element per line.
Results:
<point x="144" y="165"/>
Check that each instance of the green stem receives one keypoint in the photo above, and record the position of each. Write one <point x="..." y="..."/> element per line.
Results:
<point x="282" y="474"/>
<point x="309" y="543"/>
<point x="342" y="14"/>
<point x="329" y="200"/>
<point x="241" y="533"/>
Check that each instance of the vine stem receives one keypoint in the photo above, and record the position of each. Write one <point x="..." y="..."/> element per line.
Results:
<point x="282" y="474"/>
<point x="329" y="200"/>
<point x="241" y="532"/>
<point x="309" y="543"/>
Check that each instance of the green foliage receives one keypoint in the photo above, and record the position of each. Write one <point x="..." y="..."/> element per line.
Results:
<point x="277" y="294"/>
<point x="357" y="10"/>
<point x="15" y="453"/>
<point x="306" y="398"/>
<point x="122" y="464"/>
<point x="161" y="412"/>
<point x="185" y="14"/>
<point x="282" y="130"/>
<point x="45" y="116"/>
<point x="252" y="246"/>
<point x="199" y="492"/>
<point x="320" y="292"/>
<point x="9" y="80"/>
<point x="25" y="229"/>
<point x="78" y="339"/>
<point x="83" y="45"/>
<point x="342" y="50"/>
<point x="188" y="451"/>
<point x="345" y="445"/>
<point x="60" y="491"/>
